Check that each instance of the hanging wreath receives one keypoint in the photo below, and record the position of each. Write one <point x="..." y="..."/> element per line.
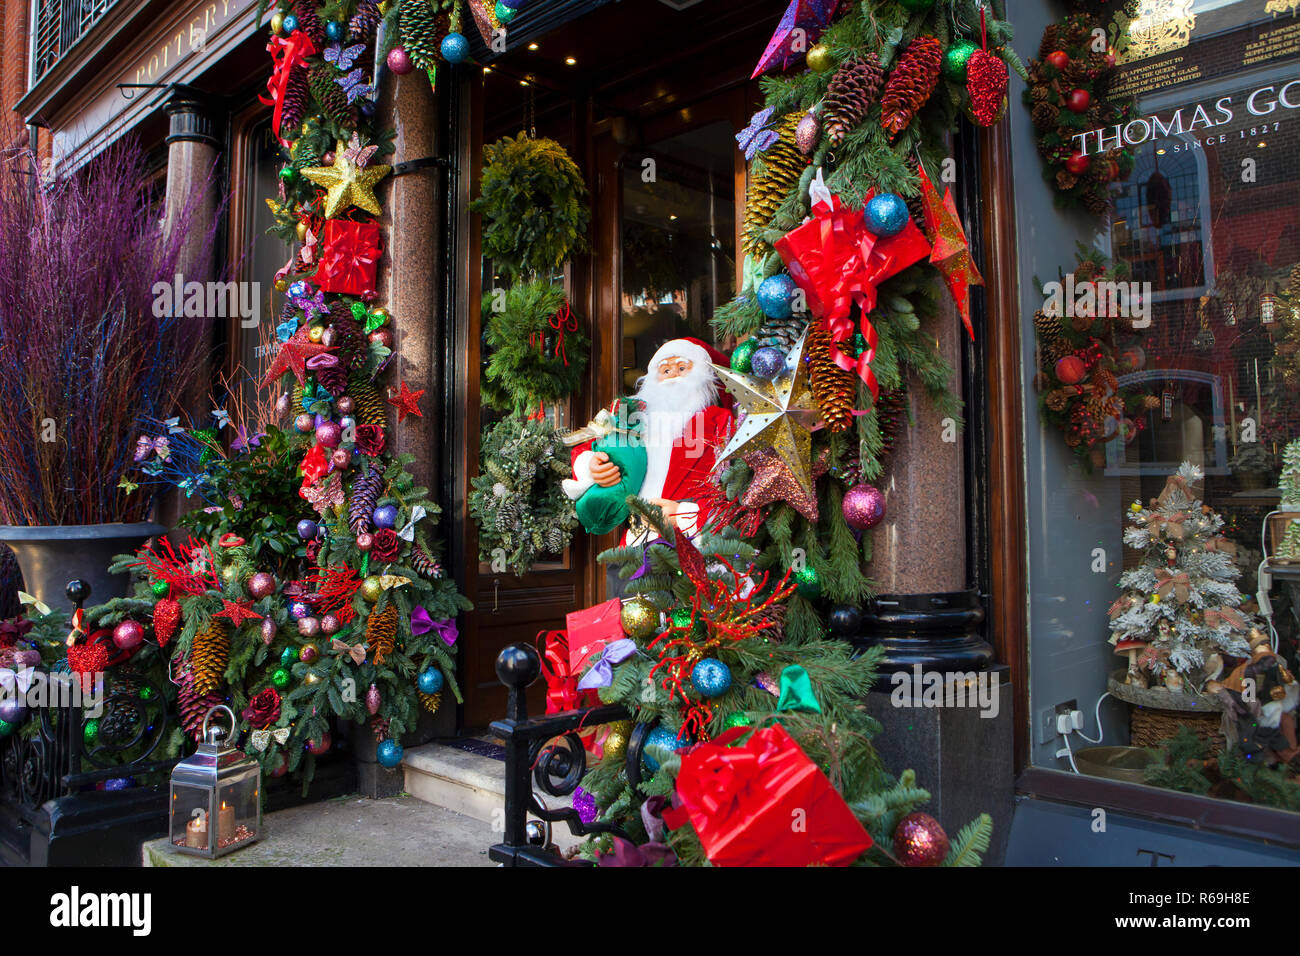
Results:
<point x="538" y="350"/>
<point x="1068" y="94"/>
<point x="534" y="206"/>
<point x="517" y="502"/>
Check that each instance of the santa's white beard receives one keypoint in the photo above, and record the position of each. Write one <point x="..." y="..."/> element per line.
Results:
<point x="669" y="407"/>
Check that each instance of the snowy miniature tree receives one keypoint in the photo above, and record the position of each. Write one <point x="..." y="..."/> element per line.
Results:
<point x="1182" y="600"/>
<point x="1289" y="547"/>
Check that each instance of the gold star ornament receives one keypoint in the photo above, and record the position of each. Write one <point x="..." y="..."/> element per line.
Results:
<point x="347" y="184"/>
<point x="780" y="415"/>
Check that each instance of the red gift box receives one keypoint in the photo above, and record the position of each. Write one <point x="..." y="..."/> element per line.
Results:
<point x="764" y="803"/>
<point x="591" y="629"/>
<point x="349" y="257"/>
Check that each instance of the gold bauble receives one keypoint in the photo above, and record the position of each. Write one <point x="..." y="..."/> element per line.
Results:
<point x="277" y="23"/>
<point x="281" y="285"/>
<point x="380" y="316"/>
<point x="371" y="588"/>
<point x="640" y="618"/>
<point x="315" y="332"/>
<point x="616" y="743"/>
<point x="819" y="59"/>
<point x="301" y="229"/>
<point x="311" y="679"/>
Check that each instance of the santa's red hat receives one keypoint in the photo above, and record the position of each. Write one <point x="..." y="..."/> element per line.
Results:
<point x="698" y="351"/>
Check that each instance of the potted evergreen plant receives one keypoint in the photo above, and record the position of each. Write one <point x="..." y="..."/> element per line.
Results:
<point x="1284" y="527"/>
<point x="84" y="360"/>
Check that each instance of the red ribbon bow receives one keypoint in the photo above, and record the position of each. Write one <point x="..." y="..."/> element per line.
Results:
<point x="286" y="53"/>
<point x="561" y="680"/>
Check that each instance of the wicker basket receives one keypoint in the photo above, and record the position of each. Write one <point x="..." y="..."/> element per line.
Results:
<point x="1158" y="714"/>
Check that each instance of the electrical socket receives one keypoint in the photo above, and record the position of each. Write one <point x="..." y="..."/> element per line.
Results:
<point x="1047" y="720"/>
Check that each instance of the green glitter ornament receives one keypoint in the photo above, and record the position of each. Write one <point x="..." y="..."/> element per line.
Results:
<point x="808" y="582"/>
<point x="737" y="718"/>
<point x="743" y="356"/>
<point x="160" y="589"/>
<point x="147" y="693"/>
<point x="7" y="728"/>
<point x="681" y="617"/>
<point x="280" y="678"/>
<point x="289" y="656"/>
<point x="956" y="60"/>
<point x="90" y="732"/>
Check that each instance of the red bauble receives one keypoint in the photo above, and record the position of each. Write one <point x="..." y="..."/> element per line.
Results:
<point x="321" y="745"/>
<point x="1058" y="59"/>
<point x="1078" y="101"/>
<point x="919" y="840"/>
<point x="1078" y="164"/>
<point x="128" y="635"/>
<point x="382" y="337"/>
<point x="166" y="620"/>
<point x="1071" y="370"/>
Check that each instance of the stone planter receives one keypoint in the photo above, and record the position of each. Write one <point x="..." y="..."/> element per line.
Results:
<point x="52" y="555"/>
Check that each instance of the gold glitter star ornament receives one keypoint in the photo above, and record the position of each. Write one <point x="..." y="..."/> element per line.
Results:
<point x="347" y="184"/>
<point x="780" y="415"/>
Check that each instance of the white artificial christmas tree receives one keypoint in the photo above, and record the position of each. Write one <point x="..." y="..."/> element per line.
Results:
<point x="1288" y="549"/>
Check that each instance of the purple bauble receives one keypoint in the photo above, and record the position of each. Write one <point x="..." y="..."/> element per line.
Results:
<point x="329" y="434"/>
<point x="767" y="363"/>
<point x="385" y="516"/>
<point x="307" y="653"/>
<point x="308" y="626"/>
<point x="864" y="507"/>
<point x="305" y="422"/>
<point x="268" y="631"/>
<point x="585" y="804"/>
<point x="128" y="635"/>
<point x="340" y="458"/>
<point x="299" y="609"/>
<point x="261" y="585"/>
<point x="12" y="710"/>
<point x="330" y="625"/>
<point x="307" y="529"/>
<point x="346" y="404"/>
<point x="282" y="405"/>
<point x="399" y="61"/>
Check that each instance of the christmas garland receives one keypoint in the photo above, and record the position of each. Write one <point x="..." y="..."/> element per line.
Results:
<point x="1080" y="358"/>
<point x="538" y="346"/>
<point x="521" y="512"/>
<point x="1069" y="94"/>
<point x="534" y="206"/>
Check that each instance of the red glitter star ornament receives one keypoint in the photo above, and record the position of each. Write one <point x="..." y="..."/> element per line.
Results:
<point x="237" y="612"/>
<point x="406" y="402"/>
<point x="773" y="482"/>
<point x="293" y="356"/>
<point x="951" y="252"/>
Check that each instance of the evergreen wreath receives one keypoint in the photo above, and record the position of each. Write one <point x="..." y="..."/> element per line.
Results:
<point x="517" y="501"/>
<point x="538" y="349"/>
<point x="534" y="205"/>
<point x="1069" y="94"/>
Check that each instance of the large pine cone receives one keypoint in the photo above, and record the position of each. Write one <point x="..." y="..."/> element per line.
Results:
<point x="911" y="83"/>
<point x="309" y="21"/>
<point x="1047" y="326"/>
<point x="1051" y="42"/>
<point x="194" y="706"/>
<point x="209" y="655"/>
<point x="333" y="379"/>
<point x="381" y="633"/>
<point x="783" y="333"/>
<point x="423" y="32"/>
<point x="361" y="29"/>
<point x="852" y="92"/>
<point x="783" y="164"/>
<point x="330" y="96"/>
<point x="370" y="406"/>
<point x="1045" y="115"/>
<point x="834" y="389"/>
<point x="891" y="414"/>
<point x="296" y="94"/>
<point x="349" y="337"/>
<point x="365" y="495"/>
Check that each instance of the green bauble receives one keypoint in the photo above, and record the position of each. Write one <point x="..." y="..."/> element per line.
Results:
<point x="289" y="175"/>
<point x="681" y="617"/>
<point x="280" y="678"/>
<point x="505" y="14"/>
<point x="289" y="656"/>
<point x="160" y="589"/>
<point x="7" y="728"/>
<point x="917" y="6"/>
<point x="147" y="692"/>
<point x="742" y="358"/>
<point x="956" y="59"/>
<point x="90" y="732"/>
<point x="737" y="718"/>
<point x="808" y="582"/>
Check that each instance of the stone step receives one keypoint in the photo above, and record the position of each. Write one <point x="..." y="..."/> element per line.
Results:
<point x="471" y="782"/>
<point x="352" y="831"/>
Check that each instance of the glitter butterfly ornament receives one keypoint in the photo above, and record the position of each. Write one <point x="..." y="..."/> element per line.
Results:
<point x="354" y="86"/>
<point x="758" y="136"/>
<point x="343" y="57"/>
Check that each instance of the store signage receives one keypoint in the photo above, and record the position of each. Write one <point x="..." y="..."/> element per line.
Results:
<point x="189" y="39"/>
<point x="1264" y="101"/>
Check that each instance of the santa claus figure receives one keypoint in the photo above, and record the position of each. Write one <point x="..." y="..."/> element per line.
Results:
<point x="681" y="424"/>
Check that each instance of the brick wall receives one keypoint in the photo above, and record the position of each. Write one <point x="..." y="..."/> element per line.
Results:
<point x="13" y="57"/>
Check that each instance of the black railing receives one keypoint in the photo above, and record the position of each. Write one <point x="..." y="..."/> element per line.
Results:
<point x="547" y="752"/>
<point x="59" y="25"/>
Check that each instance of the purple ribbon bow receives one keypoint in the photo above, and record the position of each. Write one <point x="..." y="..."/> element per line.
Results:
<point x="602" y="669"/>
<point x="421" y="623"/>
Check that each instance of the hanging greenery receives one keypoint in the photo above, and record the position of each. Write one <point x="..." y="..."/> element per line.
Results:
<point x="538" y="347"/>
<point x="533" y="204"/>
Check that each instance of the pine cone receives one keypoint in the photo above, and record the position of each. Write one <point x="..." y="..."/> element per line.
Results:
<point x="851" y="94"/>
<point x="782" y="333"/>
<point x="309" y="21"/>
<point x="422" y="32"/>
<point x="166" y="619"/>
<point x="834" y="389"/>
<point x="193" y="706"/>
<point x="349" y="338"/>
<point x="910" y="84"/>
<point x="329" y="96"/>
<point x="294" y="110"/>
<point x="772" y="625"/>
<point x="1047" y="326"/>
<point x="1050" y="42"/>
<point x="424" y="564"/>
<point x="783" y="164"/>
<point x="365" y="495"/>
<point x="1096" y="201"/>
<point x="361" y="29"/>
<point x="332" y="378"/>
<point x="430" y="702"/>
<point x="381" y="633"/>
<point x="1066" y="180"/>
<point x="370" y="406"/>
<point x="379" y="727"/>
<point x="1045" y="116"/>
<point x="209" y="656"/>
<point x="891" y="413"/>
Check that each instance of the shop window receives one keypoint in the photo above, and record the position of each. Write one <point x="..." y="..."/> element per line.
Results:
<point x="1177" y="631"/>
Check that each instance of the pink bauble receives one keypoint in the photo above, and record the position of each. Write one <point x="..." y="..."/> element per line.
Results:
<point x="329" y="434"/>
<point x="329" y="338"/>
<point x="346" y="405"/>
<point x="919" y="840"/>
<point x="282" y="405"/>
<point x="340" y="458"/>
<point x="308" y="653"/>
<point x="308" y="626"/>
<point x="305" y="422"/>
<point x="261" y="585"/>
<point x="365" y="541"/>
<point x="864" y="507"/>
<point x="373" y="700"/>
<point x="807" y="133"/>
<point x="320" y="746"/>
<point x="330" y="625"/>
<point x="268" y="631"/>
<point x="328" y="158"/>
<point x="128" y="635"/>
<point x="399" y="61"/>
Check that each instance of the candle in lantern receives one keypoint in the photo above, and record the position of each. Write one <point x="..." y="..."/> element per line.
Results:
<point x="196" y="831"/>
<point x="225" y="823"/>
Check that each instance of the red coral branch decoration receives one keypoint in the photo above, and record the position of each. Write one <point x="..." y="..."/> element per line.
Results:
<point x="189" y="569"/>
<point x="334" y="590"/>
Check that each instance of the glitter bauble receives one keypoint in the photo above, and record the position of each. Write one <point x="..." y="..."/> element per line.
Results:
<point x="289" y="23"/>
<point x="776" y="296"/>
<point x="308" y="653"/>
<point x="321" y="745"/>
<point x="307" y="529"/>
<point x="768" y="363"/>
<point x="334" y="30"/>
<point x="340" y="458"/>
<point x="920" y="841"/>
<point x="737" y="718"/>
<point x="503" y="13"/>
<point x="128" y="635"/>
<point x="316" y="333"/>
<point x="282" y="405"/>
<point x="280" y="678"/>
<point x="956" y="59"/>
<point x="808" y="582"/>
<point x="365" y="541"/>
<point x="845" y="620"/>
<point x="864" y="507"/>
<point x="399" y="61"/>
<point x="454" y="48"/>
<point x="681" y="617"/>
<point x="329" y="434"/>
<point x="711" y="678"/>
<point x="430" y="680"/>
<point x="743" y="355"/>
<point x="160" y="589"/>
<point x="640" y="619"/>
<point x="345" y="404"/>
<point x="261" y="585"/>
<point x="288" y="657"/>
<point x="389" y="754"/>
<point x="819" y="59"/>
<point x="330" y="625"/>
<point x="615" y="744"/>
<point x="886" y="215"/>
<point x="373" y="700"/>
<point x="309" y="626"/>
<point x="299" y="609"/>
<point x="659" y="743"/>
<point x="385" y="516"/>
<point x="382" y="337"/>
<point x="268" y="631"/>
<point x="89" y="731"/>
<point x="807" y="133"/>
<point x="305" y="423"/>
<point x="371" y="588"/>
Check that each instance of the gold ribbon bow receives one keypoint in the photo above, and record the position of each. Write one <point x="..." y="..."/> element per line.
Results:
<point x="261" y="739"/>
<point x="355" y="651"/>
<point x="1180" y="584"/>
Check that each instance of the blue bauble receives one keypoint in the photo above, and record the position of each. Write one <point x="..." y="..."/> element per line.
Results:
<point x="455" y="48"/>
<point x="289" y="23"/>
<point x="661" y="740"/>
<point x="307" y="529"/>
<point x="385" y="516"/>
<point x="430" y="680"/>
<point x="389" y="754"/>
<point x="298" y="289"/>
<point x="334" y="30"/>
<point x="775" y="295"/>
<point x="513" y="4"/>
<point x="119" y="783"/>
<point x="886" y="215"/>
<point x="767" y="363"/>
<point x="711" y="678"/>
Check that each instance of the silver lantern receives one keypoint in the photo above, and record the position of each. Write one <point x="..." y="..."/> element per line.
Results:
<point x="216" y="795"/>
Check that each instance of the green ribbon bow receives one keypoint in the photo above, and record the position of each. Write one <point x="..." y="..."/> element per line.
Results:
<point x="797" y="691"/>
